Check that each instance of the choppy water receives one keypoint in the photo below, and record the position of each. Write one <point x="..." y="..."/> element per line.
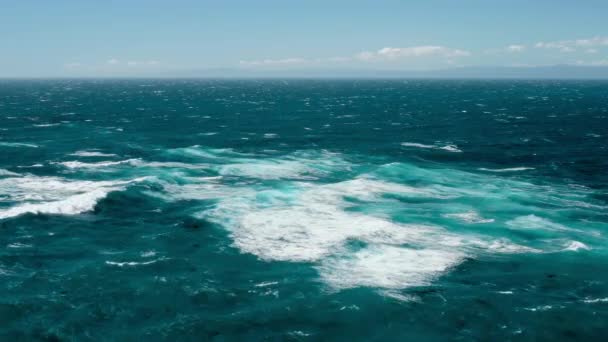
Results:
<point x="375" y="210"/>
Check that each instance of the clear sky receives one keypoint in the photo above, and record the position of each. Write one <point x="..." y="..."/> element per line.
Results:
<point x="153" y="37"/>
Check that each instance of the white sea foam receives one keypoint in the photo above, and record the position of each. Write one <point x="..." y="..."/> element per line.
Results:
<point x="92" y="154"/>
<point x="509" y="169"/>
<point x="410" y="144"/>
<point x="266" y="283"/>
<point x="132" y="263"/>
<point x="47" y="125"/>
<point x="388" y="267"/>
<point x="269" y="170"/>
<point x="148" y="254"/>
<point x="72" y="205"/>
<point x="52" y="195"/>
<point x="575" y="246"/>
<point x="14" y="144"/>
<point x="503" y="246"/>
<point x="338" y="227"/>
<point x="449" y="147"/>
<point x="596" y="300"/>
<point x="534" y="222"/>
<point x="4" y="172"/>
<point x="102" y="164"/>
<point x="469" y="217"/>
<point x="309" y="223"/>
<point x="18" y="245"/>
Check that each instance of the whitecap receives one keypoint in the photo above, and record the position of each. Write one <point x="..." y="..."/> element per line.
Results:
<point x="102" y="164"/>
<point x="509" y="169"/>
<point x="409" y="144"/>
<point x="266" y="283"/>
<point x="52" y="195"/>
<point x="132" y="263"/>
<point x="18" y="245"/>
<point x="14" y="144"/>
<point x="92" y="154"/>
<point x="148" y="254"/>
<point x="72" y="205"/>
<point x="47" y="125"/>
<point x="309" y="223"/>
<point x="388" y="267"/>
<point x="534" y="222"/>
<point x="504" y="246"/>
<point x="469" y="217"/>
<point x="449" y="148"/>
<point x="575" y="246"/>
<point x="269" y="170"/>
<point x="4" y="172"/>
<point x="595" y="300"/>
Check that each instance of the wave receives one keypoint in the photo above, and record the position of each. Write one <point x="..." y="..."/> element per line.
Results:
<point x="356" y="232"/>
<point x="533" y="222"/>
<point x="50" y="195"/>
<point x="449" y="147"/>
<point x="9" y="144"/>
<point x="70" y="206"/>
<point x="4" y="172"/>
<point x="356" y="224"/>
<point x="595" y="300"/>
<point x="509" y="169"/>
<point x="92" y="154"/>
<point x="575" y="246"/>
<point x="313" y="223"/>
<point x="388" y="267"/>
<point x="83" y="165"/>
<point x="47" y="125"/>
<point x="469" y="217"/>
<point x="133" y="263"/>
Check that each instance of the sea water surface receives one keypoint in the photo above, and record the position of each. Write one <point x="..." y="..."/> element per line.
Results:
<point x="303" y="210"/>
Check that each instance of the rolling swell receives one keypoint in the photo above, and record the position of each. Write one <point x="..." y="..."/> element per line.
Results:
<point x="288" y="208"/>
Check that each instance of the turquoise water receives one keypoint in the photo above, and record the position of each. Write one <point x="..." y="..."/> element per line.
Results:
<point x="303" y="210"/>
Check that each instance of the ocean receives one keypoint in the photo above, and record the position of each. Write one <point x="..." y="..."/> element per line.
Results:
<point x="189" y="210"/>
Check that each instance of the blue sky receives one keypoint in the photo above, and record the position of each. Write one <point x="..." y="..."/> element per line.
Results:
<point x="152" y="37"/>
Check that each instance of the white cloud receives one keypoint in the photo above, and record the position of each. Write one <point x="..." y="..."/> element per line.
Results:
<point x="384" y="54"/>
<point x="418" y="51"/>
<point x="572" y="45"/>
<point x="516" y="48"/>
<point x="113" y="61"/>
<point x="603" y="62"/>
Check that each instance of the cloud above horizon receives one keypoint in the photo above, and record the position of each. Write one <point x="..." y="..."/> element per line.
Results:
<point x="385" y="54"/>
<point x="424" y="56"/>
<point x="589" y="44"/>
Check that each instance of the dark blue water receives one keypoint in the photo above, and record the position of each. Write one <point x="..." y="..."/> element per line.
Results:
<point x="303" y="210"/>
